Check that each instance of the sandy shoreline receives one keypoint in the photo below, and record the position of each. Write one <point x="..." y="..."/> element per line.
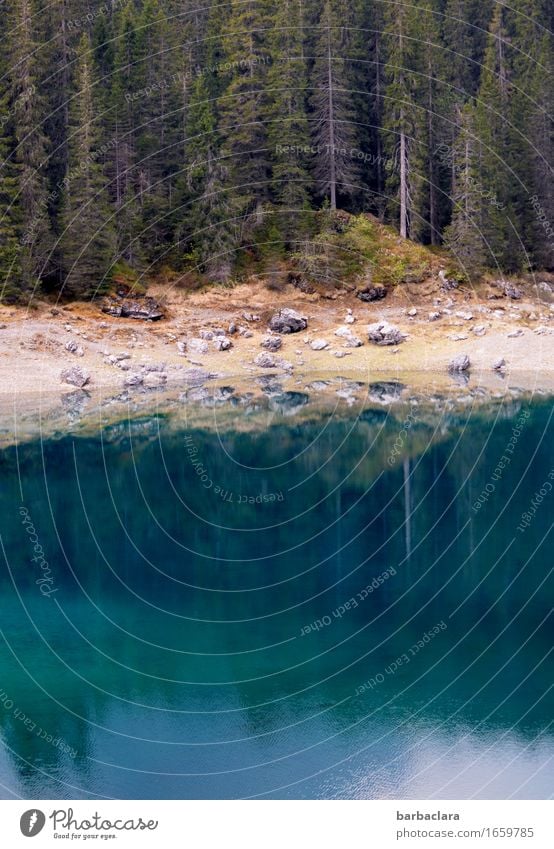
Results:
<point x="32" y="343"/>
<point x="33" y="352"/>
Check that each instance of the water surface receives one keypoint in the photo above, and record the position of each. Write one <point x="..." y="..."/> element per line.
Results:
<point x="325" y="607"/>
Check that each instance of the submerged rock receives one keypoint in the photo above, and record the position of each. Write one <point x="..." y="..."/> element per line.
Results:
<point x="288" y="321"/>
<point x="197" y="376"/>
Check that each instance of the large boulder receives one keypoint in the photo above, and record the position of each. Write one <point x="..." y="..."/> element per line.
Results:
<point x="383" y="333"/>
<point x="75" y="376"/>
<point x="146" y="309"/>
<point x="372" y="293"/>
<point x="288" y="321"/>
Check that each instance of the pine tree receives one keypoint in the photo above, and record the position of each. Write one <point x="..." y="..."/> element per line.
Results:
<point x="88" y="243"/>
<point x="335" y="135"/>
<point x="11" y="281"/>
<point x="26" y="106"/>
<point x="207" y="205"/>
<point x="242" y="108"/>
<point x="464" y="236"/>
<point x="287" y="120"/>
<point x="429" y="128"/>
<point x="400" y="115"/>
<point x="498" y="175"/>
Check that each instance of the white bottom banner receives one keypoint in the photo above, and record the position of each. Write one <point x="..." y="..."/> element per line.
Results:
<point x="280" y="824"/>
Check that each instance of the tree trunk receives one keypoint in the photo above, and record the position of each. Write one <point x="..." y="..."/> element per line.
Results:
<point x="332" y="164"/>
<point x="403" y="182"/>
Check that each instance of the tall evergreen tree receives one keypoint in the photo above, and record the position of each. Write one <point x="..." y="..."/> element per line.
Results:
<point x="334" y="121"/>
<point x="27" y="108"/>
<point x="88" y="242"/>
<point x="400" y="115"/>
<point x="287" y="121"/>
<point x="242" y="109"/>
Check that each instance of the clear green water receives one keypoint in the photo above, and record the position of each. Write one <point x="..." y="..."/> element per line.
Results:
<point x="176" y="660"/>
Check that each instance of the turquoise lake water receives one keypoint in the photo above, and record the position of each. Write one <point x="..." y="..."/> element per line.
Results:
<point x="319" y="608"/>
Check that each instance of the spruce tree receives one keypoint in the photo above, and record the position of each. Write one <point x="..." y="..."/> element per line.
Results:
<point x="27" y="109"/>
<point x="287" y="121"/>
<point x="88" y="243"/>
<point x="242" y="109"/>
<point x="335" y="134"/>
<point x="400" y="117"/>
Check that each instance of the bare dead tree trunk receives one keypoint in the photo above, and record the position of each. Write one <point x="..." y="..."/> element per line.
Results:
<point x="403" y="182"/>
<point x="332" y="164"/>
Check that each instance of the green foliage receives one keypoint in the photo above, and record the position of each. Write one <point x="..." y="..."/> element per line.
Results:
<point x="218" y="138"/>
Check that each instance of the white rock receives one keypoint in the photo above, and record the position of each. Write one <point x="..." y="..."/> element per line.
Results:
<point x="319" y="344"/>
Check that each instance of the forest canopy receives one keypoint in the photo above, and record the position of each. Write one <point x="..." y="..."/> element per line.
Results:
<point x="166" y="133"/>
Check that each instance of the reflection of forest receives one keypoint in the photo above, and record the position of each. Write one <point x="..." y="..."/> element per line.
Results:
<point x="163" y="582"/>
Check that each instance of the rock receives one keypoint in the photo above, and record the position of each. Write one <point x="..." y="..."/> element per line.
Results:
<point x="467" y="316"/>
<point x="134" y="380"/>
<point x="248" y="316"/>
<point x="265" y="361"/>
<point x="499" y="364"/>
<point x="413" y="312"/>
<point x="515" y="333"/>
<point x="545" y="292"/>
<point x="55" y="311"/>
<point x="319" y="344"/>
<point x="459" y="364"/>
<point x="508" y="289"/>
<point x="197" y="376"/>
<point x="182" y="347"/>
<point x="154" y="367"/>
<point x="268" y="361"/>
<point x="372" y="293"/>
<point x="383" y="333"/>
<point x="146" y="309"/>
<point x="447" y="283"/>
<point x="75" y="376"/>
<point x="458" y="337"/>
<point x="542" y="330"/>
<point x="74" y="348"/>
<point x="3" y="326"/>
<point x="197" y="346"/>
<point x="222" y="344"/>
<point x="288" y="321"/>
<point x="272" y="343"/>
<point x="479" y="329"/>
<point x="207" y="335"/>
<point x="340" y="354"/>
<point x="434" y="316"/>
<point x="349" y="319"/>
<point x="351" y="341"/>
<point x="232" y="329"/>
